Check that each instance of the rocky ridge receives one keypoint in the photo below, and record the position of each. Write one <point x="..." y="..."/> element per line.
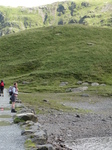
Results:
<point x="68" y="12"/>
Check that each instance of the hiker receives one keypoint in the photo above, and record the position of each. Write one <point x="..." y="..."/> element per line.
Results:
<point x="14" y="95"/>
<point x="2" y="88"/>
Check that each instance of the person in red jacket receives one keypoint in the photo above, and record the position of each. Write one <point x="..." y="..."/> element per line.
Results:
<point x="2" y="88"/>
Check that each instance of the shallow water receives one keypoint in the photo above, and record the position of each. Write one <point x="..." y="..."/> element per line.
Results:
<point x="99" y="143"/>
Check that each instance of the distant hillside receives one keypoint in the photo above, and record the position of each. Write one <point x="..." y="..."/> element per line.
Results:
<point x="44" y="57"/>
<point x="86" y="12"/>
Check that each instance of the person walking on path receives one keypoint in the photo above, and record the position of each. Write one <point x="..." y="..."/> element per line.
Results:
<point x="2" y="88"/>
<point x="14" y="95"/>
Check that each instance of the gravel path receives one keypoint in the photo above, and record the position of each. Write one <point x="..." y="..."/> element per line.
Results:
<point x="10" y="135"/>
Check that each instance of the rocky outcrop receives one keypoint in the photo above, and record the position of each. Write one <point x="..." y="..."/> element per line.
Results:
<point x="58" y="13"/>
<point x="1" y="17"/>
<point x="107" y="7"/>
<point x="85" y="4"/>
<point x="61" y="8"/>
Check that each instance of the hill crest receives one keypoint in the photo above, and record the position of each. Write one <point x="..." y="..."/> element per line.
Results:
<point x="92" y="13"/>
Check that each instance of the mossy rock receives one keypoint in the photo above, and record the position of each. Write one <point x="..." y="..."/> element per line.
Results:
<point x="18" y="120"/>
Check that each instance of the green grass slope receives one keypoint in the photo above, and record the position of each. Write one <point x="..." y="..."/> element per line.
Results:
<point x="44" y="57"/>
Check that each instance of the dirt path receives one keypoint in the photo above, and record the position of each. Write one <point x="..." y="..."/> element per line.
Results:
<point x="10" y="134"/>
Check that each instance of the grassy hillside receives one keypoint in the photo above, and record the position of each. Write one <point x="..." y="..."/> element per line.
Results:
<point x="44" y="57"/>
<point x="87" y="12"/>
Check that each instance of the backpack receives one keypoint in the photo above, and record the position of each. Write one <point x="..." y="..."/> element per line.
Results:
<point x="2" y="84"/>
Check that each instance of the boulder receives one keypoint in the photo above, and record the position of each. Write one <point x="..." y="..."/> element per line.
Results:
<point x="45" y="147"/>
<point x="79" y="82"/>
<point x="84" y="88"/>
<point x="79" y="89"/>
<point x="63" y="83"/>
<point x="28" y="124"/>
<point x="25" y="82"/>
<point x="95" y="84"/>
<point x="85" y="83"/>
<point x="69" y="90"/>
<point x="36" y="126"/>
<point x="102" y="84"/>
<point x="40" y="137"/>
<point x="27" y="132"/>
<point x="26" y="116"/>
